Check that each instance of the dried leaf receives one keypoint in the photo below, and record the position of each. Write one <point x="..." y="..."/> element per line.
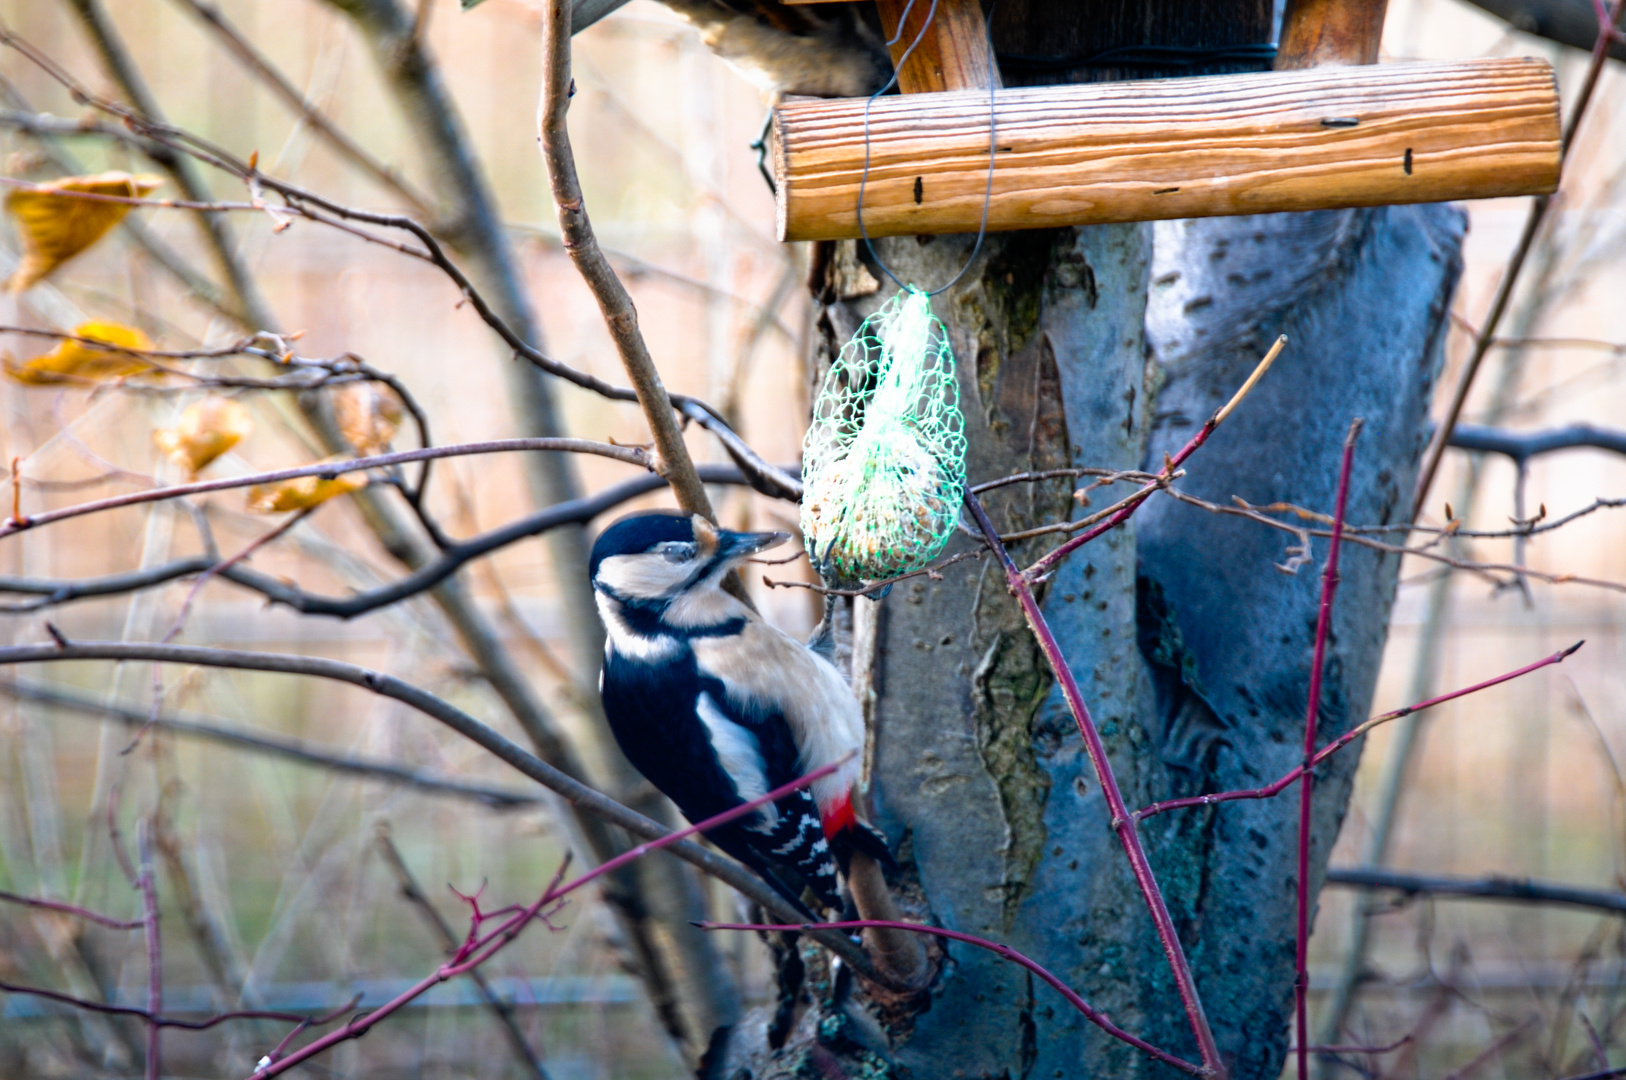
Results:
<point x="368" y="414"/>
<point x="74" y="361"/>
<point x="303" y="493"/>
<point x="206" y="430"/>
<point x="56" y="227"/>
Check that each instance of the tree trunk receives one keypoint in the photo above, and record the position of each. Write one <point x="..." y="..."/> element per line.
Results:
<point x="1108" y="346"/>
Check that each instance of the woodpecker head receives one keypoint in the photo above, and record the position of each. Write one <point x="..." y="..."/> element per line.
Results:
<point x="661" y="574"/>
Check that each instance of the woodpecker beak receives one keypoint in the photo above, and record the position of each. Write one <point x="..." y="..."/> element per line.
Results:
<point x="737" y="545"/>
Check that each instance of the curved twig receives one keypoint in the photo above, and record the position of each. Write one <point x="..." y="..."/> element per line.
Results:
<point x="452" y="557"/>
<point x="327" y="470"/>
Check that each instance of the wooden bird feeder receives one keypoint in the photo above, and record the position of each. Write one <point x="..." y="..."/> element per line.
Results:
<point x="1327" y="129"/>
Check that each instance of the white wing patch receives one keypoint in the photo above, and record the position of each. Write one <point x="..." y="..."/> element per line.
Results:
<point x="766" y="665"/>
<point x="738" y="751"/>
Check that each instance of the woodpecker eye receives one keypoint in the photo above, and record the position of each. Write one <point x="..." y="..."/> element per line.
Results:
<point x="675" y="550"/>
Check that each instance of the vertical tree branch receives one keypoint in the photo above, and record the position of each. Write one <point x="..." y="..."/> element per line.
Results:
<point x="1329" y="589"/>
<point x="619" y="314"/>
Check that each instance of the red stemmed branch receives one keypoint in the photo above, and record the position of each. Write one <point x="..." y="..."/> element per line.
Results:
<point x="1272" y="790"/>
<point x="1094" y="1016"/>
<point x="74" y="910"/>
<point x="1123" y="822"/>
<point x="1170" y="464"/>
<point x="1312" y="711"/>
<point x="477" y="949"/>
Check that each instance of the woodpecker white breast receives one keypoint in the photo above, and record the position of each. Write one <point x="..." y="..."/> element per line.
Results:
<point x="716" y="707"/>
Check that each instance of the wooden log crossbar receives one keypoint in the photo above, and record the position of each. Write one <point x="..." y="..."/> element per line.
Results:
<point x="1314" y="139"/>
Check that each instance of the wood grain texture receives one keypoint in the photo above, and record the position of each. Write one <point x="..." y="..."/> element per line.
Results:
<point x="952" y="54"/>
<point x="1318" y="32"/>
<point x="1170" y="148"/>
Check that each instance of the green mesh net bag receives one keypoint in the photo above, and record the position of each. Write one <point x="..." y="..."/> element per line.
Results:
<point x="883" y="464"/>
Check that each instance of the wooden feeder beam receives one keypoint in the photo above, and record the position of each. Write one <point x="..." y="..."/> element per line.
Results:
<point x="1312" y="139"/>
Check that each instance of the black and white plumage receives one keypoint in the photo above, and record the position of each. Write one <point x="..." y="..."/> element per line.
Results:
<point x="716" y="707"/>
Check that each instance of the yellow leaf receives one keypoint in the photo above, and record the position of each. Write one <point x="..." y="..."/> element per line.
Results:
<point x="74" y="361"/>
<point x="56" y="227"/>
<point x="368" y="414"/>
<point x="206" y="430"/>
<point x="303" y="493"/>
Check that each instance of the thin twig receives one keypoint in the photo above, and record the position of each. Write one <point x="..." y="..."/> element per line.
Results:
<point x="328" y="470"/>
<point x="1123" y="822"/>
<point x="1513" y="890"/>
<point x="1050" y="561"/>
<point x="414" y="895"/>
<point x="1485" y="569"/>
<point x="144" y="1015"/>
<point x="74" y="910"/>
<point x="274" y="745"/>
<point x="1312" y="713"/>
<point x="1094" y="1016"/>
<point x="477" y="949"/>
<point x="1348" y="737"/>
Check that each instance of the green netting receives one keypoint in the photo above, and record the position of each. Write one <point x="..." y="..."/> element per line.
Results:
<point x="883" y="463"/>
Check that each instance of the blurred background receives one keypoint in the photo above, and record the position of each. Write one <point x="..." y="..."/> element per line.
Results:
<point x="280" y="882"/>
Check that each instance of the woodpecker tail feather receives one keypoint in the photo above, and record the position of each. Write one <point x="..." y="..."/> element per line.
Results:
<point x="796" y="840"/>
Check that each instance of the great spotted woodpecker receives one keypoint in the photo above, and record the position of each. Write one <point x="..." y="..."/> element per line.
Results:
<point x="716" y="707"/>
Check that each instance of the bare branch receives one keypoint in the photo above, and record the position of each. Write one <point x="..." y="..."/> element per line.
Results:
<point x="1524" y="445"/>
<point x="274" y="745"/>
<point x="619" y="314"/>
<point x="1516" y="890"/>
<point x="414" y="895"/>
<point x="431" y="573"/>
<point x="571" y="790"/>
<point x="74" y="910"/>
<point x="328" y="470"/>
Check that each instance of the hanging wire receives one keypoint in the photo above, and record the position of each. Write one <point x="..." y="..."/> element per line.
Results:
<point x="993" y="141"/>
